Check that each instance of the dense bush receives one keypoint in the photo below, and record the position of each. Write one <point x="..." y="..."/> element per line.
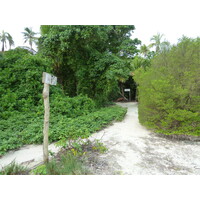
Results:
<point x="169" y="92"/>
<point x="71" y="107"/>
<point x="21" y="87"/>
<point x="21" y="105"/>
<point x="20" y="81"/>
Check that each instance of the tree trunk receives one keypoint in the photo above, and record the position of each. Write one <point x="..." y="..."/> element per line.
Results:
<point x="2" y="46"/>
<point x="122" y="90"/>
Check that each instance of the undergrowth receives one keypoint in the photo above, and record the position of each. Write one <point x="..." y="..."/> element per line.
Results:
<point x="26" y="128"/>
<point x="71" y="161"/>
<point x="21" y="105"/>
<point x="67" y="165"/>
<point x="14" y="169"/>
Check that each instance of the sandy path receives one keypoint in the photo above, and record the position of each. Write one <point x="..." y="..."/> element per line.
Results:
<point x="29" y="155"/>
<point x="131" y="150"/>
<point x="134" y="150"/>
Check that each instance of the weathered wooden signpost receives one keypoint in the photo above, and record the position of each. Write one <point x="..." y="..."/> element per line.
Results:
<point x="128" y="90"/>
<point x="47" y="79"/>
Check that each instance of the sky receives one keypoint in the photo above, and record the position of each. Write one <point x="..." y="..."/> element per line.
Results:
<point x="16" y="32"/>
<point x="173" y="18"/>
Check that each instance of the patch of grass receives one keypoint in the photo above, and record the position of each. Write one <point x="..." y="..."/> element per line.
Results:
<point x="14" y="169"/>
<point x="67" y="164"/>
<point x="72" y="161"/>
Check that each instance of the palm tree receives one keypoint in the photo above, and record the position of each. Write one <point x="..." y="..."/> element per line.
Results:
<point x="10" y="41"/>
<point x="144" y="50"/>
<point x="29" y="36"/>
<point x="157" y="42"/>
<point x="4" y="37"/>
<point x="165" y="46"/>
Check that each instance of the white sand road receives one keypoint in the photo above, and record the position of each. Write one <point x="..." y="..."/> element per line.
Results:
<point x="132" y="150"/>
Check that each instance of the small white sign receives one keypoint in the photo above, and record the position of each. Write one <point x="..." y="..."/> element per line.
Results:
<point x="127" y="90"/>
<point x="49" y="79"/>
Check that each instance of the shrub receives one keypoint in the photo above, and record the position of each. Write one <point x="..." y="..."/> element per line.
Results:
<point x="73" y="160"/>
<point x="14" y="169"/>
<point x="71" y="107"/>
<point x="20" y="82"/>
<point x="169" y="92"/>
<point x="67" y="165"/>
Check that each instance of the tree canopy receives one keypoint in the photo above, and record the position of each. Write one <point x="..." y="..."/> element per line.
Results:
<point x="90" y="60"/>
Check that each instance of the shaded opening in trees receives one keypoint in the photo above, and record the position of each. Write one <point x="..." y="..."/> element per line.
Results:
<point x="130" y="84"/>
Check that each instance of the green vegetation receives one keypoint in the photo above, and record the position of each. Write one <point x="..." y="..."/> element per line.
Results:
<point x="169" y="90"/>
<point x="20" y="82"/>
<point x="73" y="161"/>
<point x="21" y="105"/>
<point x="93" y="65"/>
<point x="26" y="128"/>
<point x="159" y="44"/>
<point x="29" y="36"/>
<point x="90" y="60"/>
<point x="14" y="169"/>
<point x="68" y="164"/>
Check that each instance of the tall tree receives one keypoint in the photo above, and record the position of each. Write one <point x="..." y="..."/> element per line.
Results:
<point x="144" y="50"/>
<point x="4" y="37"/>
<point x="10" y="41"/>
<point x="30" y="36"/>
<point x="89" y="59"/>
<point x="165" y="46"/>
<point x="158" y="43"/>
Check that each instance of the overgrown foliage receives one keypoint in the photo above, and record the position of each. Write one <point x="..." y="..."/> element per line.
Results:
<point x="26" y="128"/>
<point x="21" y="105"/>
<point x="90" y="60"/>
<point x="75" y="160"/>
<point x="20" y="81"/>
<point x="14" y="169"/>
<point x="169" y="91"/>
<point x="68" y="164"/>
<point x="140" y="62"/>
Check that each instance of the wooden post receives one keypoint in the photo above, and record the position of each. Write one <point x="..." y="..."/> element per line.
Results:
<point x="48" y="80"/>
<point x="46" y="122"/>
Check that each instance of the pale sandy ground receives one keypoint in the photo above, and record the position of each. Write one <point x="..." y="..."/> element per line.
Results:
<point x="132" y="150"/>
<point x="29" y="155"/>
